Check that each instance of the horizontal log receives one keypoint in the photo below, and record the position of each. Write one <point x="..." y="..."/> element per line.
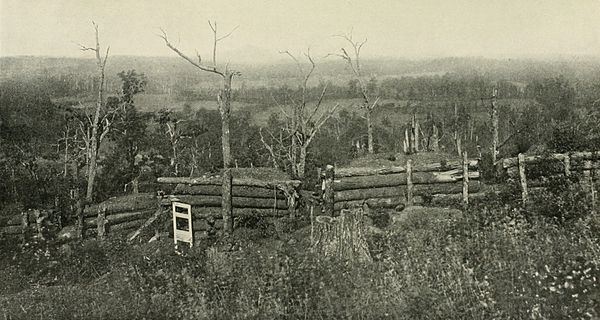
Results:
<point x="121" y="217"/>
<point x="126" y="225"/>
<point x="204" y="212"/>
<point x="585" y="155"/>
<point x="392" y="180"/>
<point x="216" y="180"/>
<point x="237" y="191"/>
<point x="369" y="171"/>
<point x="400" y="191"/>
<point x="238" y="202"/>
<point x="134" y="202"/>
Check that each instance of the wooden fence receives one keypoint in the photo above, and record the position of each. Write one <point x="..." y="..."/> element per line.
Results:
<point x="390" y="187"/>
<point x="534" y="172"/>
<point x="120" y="214"/>
<point x="29" y="222"/>
<point x="115" y="215"/>
<point x="250" y="198"/>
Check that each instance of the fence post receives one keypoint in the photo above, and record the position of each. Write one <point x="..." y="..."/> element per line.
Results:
<point x="567" y="163"/>
<point x="523" y="177"/>
<point x="587" y="174"/>
<point x="24" y="225"/>
<point x="38" y="223"/>
<point x="465" y="191"/>
<point x="409" y="183"/>
<point x="226" y="201"/>
<point x="101" y="221"/>
<point x="328" y="192"/>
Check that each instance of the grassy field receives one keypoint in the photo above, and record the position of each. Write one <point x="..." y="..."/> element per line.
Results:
<point x="500" y="261"/>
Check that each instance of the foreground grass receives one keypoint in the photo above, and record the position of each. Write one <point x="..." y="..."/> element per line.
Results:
<point x="428" y="264"/>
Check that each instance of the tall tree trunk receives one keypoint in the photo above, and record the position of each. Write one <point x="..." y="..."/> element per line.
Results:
<point x="302" y="162"/>
<point x="494" y="118"/>
<point x="94" y="138"/>
<point x="225" y="110"/>
<point x="370" y="131"/>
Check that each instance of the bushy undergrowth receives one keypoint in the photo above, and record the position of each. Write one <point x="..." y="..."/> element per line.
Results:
<point x="495" y="261"/>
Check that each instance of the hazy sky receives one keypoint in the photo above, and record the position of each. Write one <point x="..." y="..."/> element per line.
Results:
<point x="395" y="28"/>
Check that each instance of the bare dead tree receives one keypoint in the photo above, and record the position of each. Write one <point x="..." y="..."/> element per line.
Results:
<point x="224" y="103"/>
<point x="494" y="120"/>
<point x="302" y="124"/>
<point x="99" y="124"/>
<point x="224" y="96"/>
<point x="369" y="103"/>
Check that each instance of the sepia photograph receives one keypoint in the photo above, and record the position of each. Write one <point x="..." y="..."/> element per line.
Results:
<point x="278" y="159"/>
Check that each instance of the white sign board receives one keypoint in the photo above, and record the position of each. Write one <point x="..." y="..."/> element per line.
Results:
<point x="182" y="223"/>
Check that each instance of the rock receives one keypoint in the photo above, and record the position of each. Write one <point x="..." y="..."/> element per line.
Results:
<point x="67" y="233"/>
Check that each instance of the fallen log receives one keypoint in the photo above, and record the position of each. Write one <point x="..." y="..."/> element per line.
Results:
<point x="159" y="212"/>
<point x="237" y="191"/>
<point x="400" y="191"/>
<point x="433" y="167"/>
<point x="120" y="217"/>
<point x="238" y="202"/>
<point x="585" y="155"/>
<point x="127" y="203"/>
<point x="392" y="180"/>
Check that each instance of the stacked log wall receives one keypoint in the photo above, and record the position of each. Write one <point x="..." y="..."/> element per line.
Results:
<point x="121" y="214"/>
<point x="250" y="199"/>
<point x="388" y="187"/>
<point x="534" y="172"/>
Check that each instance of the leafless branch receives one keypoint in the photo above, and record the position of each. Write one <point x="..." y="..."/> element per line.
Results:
<point x="319" y="102"/>
<point x="212" y="69"/>
<point x="269" y="148"/>
<point x="229" y="34"/>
